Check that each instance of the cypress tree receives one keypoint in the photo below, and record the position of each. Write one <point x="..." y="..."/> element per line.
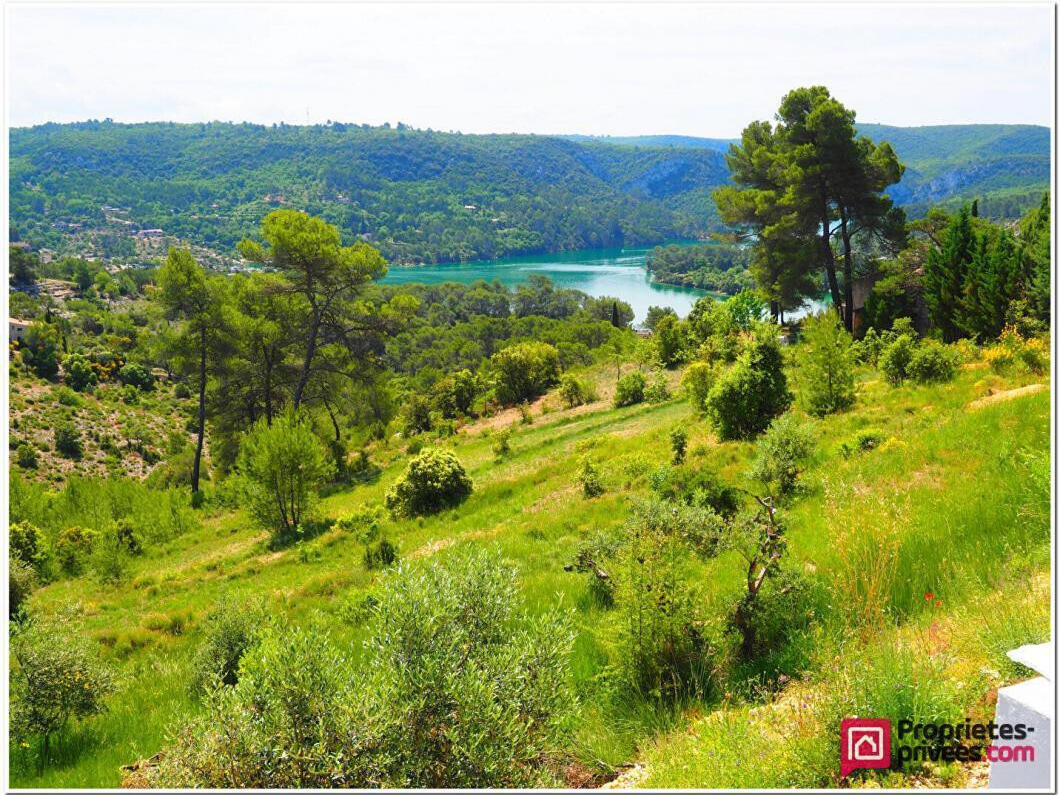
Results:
<point x="944" y="275"/>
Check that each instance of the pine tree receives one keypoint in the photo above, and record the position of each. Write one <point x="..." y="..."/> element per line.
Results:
<point x="944" y="275"/>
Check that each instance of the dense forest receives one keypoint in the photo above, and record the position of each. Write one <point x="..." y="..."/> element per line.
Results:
<point x="426" y="196"/>
<point x="417" y="195"/>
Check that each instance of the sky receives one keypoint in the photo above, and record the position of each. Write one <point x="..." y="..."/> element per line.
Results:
<point x="593" y="68"/>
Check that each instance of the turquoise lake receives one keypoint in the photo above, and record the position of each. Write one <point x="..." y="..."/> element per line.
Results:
<point x="614" y="272"/>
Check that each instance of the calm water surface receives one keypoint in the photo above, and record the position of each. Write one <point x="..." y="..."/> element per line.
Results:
<point x="614" y="272"/>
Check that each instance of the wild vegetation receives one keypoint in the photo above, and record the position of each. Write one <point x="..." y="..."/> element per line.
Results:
<point x="462" y="536"/>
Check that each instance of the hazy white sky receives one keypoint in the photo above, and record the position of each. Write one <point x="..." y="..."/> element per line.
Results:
<point x="618" y="69"/>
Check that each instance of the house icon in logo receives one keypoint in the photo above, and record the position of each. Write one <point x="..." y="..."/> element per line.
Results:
<point x="866" y="742"/>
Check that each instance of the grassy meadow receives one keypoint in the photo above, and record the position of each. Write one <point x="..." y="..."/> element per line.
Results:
<point x="953" y="502"/>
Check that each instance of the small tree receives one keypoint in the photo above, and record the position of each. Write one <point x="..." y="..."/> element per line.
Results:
<point x="630" y="389"/>
<point x="754" y="390"/>
<point x="759" y="538"/>
<point x="284" y="464"/>
<point x="55" y="678"/>
<point x="697" y="381"/>
<point x="826" y="365"/>
<point x="781" y="454"/>
<point x="894" y="361"/>
<point x="78" y="372"/>
<point x="932" y="363"/>
<point x="502" y="444"/>
<point x="228" y="631"/>
<point x="68" y="440"/>
<point x="137" y="375"/>
<point x="40" y="349"/>
<point x="589" y="477"/>
<point x="417" y="415"/>
<point x="524" y="371"/>
<point x="678" y="443"/>
<point x="573" y="391"/>
<point x="435" y="480"/>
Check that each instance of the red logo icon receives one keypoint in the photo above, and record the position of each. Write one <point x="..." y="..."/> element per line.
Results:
<point x="866" y="742"/>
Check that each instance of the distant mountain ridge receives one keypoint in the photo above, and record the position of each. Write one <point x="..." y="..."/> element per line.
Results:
<point x="425" y="196"/>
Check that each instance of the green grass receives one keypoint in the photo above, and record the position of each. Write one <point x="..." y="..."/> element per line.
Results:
<point x="944" y="505"/>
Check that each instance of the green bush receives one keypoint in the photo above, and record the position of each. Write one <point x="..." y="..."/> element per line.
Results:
<point x="502" y="443"/>
<point x="574" y="391"/>
<point x="68" y="397"/>
<point x="524" y="371"/>
<point x="40" y="349"/>
<point x="697" y="381"/>
<point x="455" y="395"/>
<point x="894" y="361"/>
<point x="826" y="365"/>
<point x="25" y="542"/>
<point x="26" y="456"/>
<point x="21" y="582"/>
<point x="678" y="444"/>
<point x="136" y="375"/>
<point x="932" y="363"/>
<point x="285" y="465"/>
<point x="630" y="389"/>
<point x="78" y="372"/>
<point x="364" y="523"/>
<point x="55" y="678"/>
<point x="435" y="480"/>
<point x="752" y="392"/>
<point x="380" y="555"/>
<point x="459" y="689"/>
<point x="72" y="547"/>
<point x="781" y="454"/>
<point x="227" y="632"/>
<point x="589" y="478"/>
<point x="417" y="415"/>
<point x="658" y="390"/>
<point x="68" y="440"/>
<point x="862" y="441"/>
<point x="700" y="488"/>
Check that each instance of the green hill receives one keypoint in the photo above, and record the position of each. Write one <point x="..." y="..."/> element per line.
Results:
<point x="425" y="196"/>
<point x="418" y="195"/>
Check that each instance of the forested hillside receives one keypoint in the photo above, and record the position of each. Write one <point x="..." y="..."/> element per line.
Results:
<point x="416" y="195"/>
<point x="1005" y="166"/>
<point x="425" y="196"/>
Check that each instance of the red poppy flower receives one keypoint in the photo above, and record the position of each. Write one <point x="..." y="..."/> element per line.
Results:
<point x="929" y="596"/>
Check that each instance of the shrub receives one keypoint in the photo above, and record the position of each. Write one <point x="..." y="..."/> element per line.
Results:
<point x="629" y="390"/>
<point x="931" y="362"/>
<point x="40" y="349"/>
<point x="435" y="480"/>
<point x="364" y="523"/>
<point x="78" y="372"/>
<point x="181" y="391"/>
<point x="678" y="443"/>
<point x="380" y="555"/>
<point x="136" y="375"/>
<point x="524" y="371"/>
<point x="867" y="349"/>
<point x="597" y="557"/>
<point x="502" y="443"/>
<point x="589" y="478"/>
<point x="55" y="678"/>
<point x="130" y="395"/>
<point x="826" y="365"/>
<point x="68" y="440"/>
<point x="25" y="542"/>
<point x="754" y="390"/>
<point x="72" y="546"/>
<point x="697" y="381"/>
<point x="658" y="390"/>
<point x="417" y="415"/>
<point x="26" y="456"/>
<point x="459" y="690"/>
<point x="455" y="395"/>
<point x="284" y="465"/>
<point x="68" y="397"/>
<point x="663" y="654"/>
<point x="894" y="361"/>
<point x="862" y="441"/>
<point x="21" y="582"/>
<point x="781" y="453"/>
<point x="227" y="632"/>
<point x="574" y="391"/>
<point x="700" y="488"/>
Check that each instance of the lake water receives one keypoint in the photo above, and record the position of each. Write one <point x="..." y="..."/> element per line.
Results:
<point x="615" y="272"/>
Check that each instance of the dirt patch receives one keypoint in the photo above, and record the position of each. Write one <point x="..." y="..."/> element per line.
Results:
<point x="1009" y="394"/>
<point x="630" y="779"/>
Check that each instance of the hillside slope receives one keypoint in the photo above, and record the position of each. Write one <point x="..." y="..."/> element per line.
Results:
<point x="418" y="195"/>
<point x="424" y="196"/>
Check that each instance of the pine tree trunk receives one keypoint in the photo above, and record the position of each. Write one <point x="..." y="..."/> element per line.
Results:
<point x="848" y="278"/>
<point x="202" y="413"/>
